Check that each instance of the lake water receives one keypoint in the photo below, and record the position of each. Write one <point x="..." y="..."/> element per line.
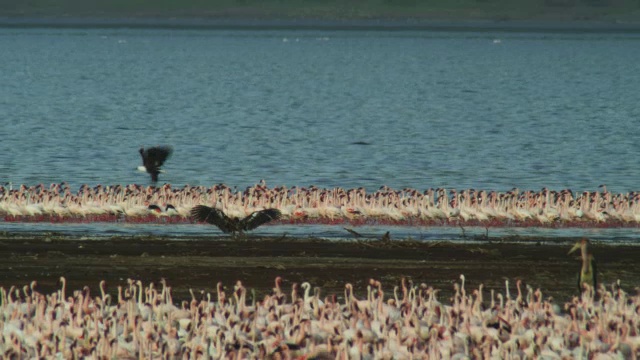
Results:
<point x="484" y="110"/>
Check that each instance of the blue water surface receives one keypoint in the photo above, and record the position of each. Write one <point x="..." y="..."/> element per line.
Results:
<point x="413" y="109"/>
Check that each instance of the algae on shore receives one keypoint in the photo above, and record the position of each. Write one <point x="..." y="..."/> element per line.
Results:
<point x="199" y="264"/>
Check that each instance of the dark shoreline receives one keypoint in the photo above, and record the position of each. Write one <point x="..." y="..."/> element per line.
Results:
<point x="515" y="26"/>
<point x="199" y="263"/>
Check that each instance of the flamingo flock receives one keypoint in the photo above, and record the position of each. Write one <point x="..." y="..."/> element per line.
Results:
<point x="136" y="203"/>
<point x="299" y="323"/>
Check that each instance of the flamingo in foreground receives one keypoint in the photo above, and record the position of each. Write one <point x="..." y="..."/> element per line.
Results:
<point x="233" y="224"/>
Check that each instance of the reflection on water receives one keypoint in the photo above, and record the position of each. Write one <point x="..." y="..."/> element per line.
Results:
<point x="180" y="232"/>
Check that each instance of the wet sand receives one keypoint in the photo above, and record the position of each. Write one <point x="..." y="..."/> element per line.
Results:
<point x="199" y="263"/>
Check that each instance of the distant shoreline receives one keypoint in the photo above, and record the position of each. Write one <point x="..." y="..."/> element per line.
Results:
<point x="437" y="15"/>
<point x="576" y="26"/>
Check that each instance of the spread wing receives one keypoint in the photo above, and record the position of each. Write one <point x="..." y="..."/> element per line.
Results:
<point x="212" y="216"/>
<point x="155" y="156"/>
<point x="258" y="218"/>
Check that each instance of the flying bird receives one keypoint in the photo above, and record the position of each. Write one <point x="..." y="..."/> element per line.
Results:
<point x="153" y="158"/>
<point x="234" y="225"/>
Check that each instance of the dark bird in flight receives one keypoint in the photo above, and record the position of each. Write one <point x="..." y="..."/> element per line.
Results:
<point x="234" y="225"/>
<point x="153" y="158"/>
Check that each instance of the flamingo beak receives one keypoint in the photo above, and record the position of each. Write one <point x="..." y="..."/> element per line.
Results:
<point x="575" y="247"/>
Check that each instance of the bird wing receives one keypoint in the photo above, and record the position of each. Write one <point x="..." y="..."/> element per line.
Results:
<point x="258" y="218"/>
<point x="212" y="216"/>
<point x="155" y="156"/>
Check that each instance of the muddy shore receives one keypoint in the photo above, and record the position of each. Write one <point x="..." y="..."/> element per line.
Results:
<point x="200" y="263"/>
